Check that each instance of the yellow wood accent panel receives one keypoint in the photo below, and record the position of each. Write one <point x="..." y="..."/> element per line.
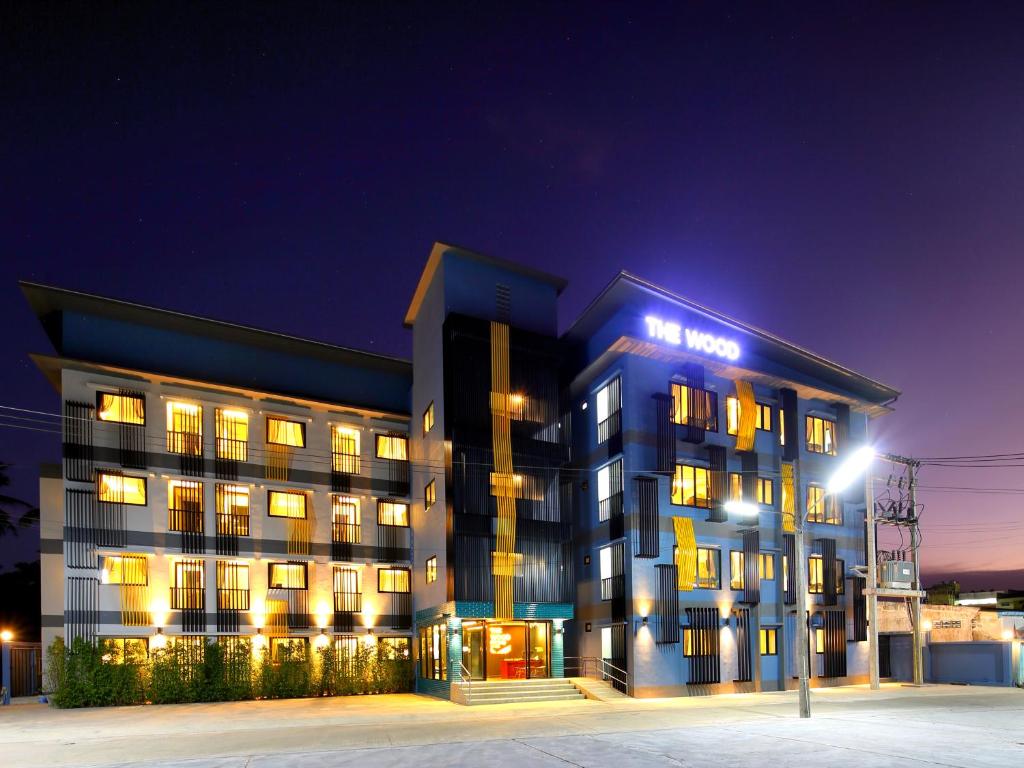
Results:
<point x="503" y="560"/>
<point x="748" y="416"/>
<point x="278" y="461"/>
<point x="134" y="591"/>
<point x="300" y="531"/>
<point x="686" y="553"/>
<point x="788" y="499"/>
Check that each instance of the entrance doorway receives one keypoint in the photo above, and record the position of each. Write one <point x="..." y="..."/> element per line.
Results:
<point x="506" y="650"/>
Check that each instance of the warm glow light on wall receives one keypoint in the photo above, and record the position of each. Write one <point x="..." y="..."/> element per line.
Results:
<point x="159" y="610"/>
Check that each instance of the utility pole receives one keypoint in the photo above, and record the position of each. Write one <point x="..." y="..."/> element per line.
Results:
<point x="915" y="540"/>
<point x="800" y="576"/>
<point x="871" y="592"/>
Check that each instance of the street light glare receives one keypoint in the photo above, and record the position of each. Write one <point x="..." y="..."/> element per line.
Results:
<point x="741" y="508"/>
<point x="6" y="635"/>
<point x="851" y="469"/>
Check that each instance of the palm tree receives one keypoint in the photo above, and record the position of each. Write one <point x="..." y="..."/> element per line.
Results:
<point x="29" y="515"/>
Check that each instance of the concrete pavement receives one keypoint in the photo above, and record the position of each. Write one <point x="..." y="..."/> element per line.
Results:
<point x="935" y="725"/>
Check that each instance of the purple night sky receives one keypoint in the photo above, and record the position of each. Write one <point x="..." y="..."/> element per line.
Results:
<point x="846" y="175"/>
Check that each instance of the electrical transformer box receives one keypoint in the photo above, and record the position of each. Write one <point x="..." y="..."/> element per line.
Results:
<point x="896" y="574"/>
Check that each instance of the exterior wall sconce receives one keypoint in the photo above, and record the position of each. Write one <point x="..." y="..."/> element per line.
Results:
<point x="640" y="624"/>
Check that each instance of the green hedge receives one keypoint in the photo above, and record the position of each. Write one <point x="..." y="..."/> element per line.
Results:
<point x="98" y="675"/>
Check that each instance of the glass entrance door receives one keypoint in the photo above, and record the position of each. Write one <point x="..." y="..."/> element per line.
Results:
<point x="512" y="650"/>
<point x="473" y="652"/>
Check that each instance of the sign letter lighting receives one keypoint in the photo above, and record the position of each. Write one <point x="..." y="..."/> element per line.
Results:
<point x="673" y="333"/>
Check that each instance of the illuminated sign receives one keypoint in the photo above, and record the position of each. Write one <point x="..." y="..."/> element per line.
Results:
<point x="673" y="333"/>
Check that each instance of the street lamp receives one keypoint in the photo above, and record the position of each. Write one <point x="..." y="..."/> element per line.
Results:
<point x="841" y="479"/>
<point x="741" y="508"/>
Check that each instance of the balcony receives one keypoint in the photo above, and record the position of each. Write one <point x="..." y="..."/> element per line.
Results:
<point x="343" y="536"/>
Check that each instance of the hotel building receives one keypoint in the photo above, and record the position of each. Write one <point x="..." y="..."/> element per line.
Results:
<point x="524" y="506"/>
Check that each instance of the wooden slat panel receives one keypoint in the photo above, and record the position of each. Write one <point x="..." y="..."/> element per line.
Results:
<point x="746" y="427"/>
<point x="686" y="553"/>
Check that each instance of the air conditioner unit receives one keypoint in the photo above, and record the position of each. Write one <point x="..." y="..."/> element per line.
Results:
<point x="896" y="574"/>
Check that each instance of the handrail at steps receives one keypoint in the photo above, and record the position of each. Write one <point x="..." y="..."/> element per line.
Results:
<point x="467" y="678"/>
<point x="591" y="666"/>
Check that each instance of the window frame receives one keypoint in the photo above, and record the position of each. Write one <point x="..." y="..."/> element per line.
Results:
<point x="387" y="436"/>
<point x="283" y="492"/>
<point x="680" y="472"/>
<point x="286" y="420"/>
<point x="717" y="560"/>
<point x="712" y="406"/>
<point x="99" y="407"/>
<point x="288" y="564"/>
<point x="815" y="575"/>
<point x="736" y="564"/>
<point x="177" y="439"/>
<point x="343" y="462"/>
<point x="762" y="569"/>
<point x="768" y="641"/>
<point x="765" y="483"/>
<point x="393" y="570"/>
<point x="429" y="494"/>
<point x="380" y="506"/>
<point x="827" y="511"/>
<point x="428" y="419"/>
<point x="828" y="427"/>
<point x="100" y="473"/>
<point x="220" y="421"/>
<point x="430" y="569"/>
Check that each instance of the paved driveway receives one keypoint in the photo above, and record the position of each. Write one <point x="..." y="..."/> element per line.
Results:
<point x="898" y="726"/>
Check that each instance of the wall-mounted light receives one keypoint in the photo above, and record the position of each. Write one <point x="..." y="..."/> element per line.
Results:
<point x="159" y="640"/>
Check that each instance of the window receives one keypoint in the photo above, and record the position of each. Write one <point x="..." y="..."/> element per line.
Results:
<point x="696" y="639"/>
<point x="232" y="509"/>
<point x="125" y="569"/>
<point x="121" y="489"/>
<point x="819" y="640"/>
<point x="765" y="491"/>
<point x="428" y="418"/>
<point x="708" y="568"/>
<point x="681" y="408"/>
<point x="392" y="513"/>
<point x="431" y="569"/>
<point x="690" y="486"/>
<point x="286" y="504"/>
<point x="185" y="428"/>
<point x="393" y="447"/>
<point x="735" y="486"/>
<point x="434" y="652"/>
<point x="429" y="495"/>
<point x="345" y="519"/>
<point x="766" y="566"/>
<point x="187" y="588"/>
<point x="821" y="435"/>
<point x="821" y="507"/>
<point x="609" y="491"/>
<point x="125" y="650"/>
<point x="782" y="427"/>
<point x="815" y="575"/>
<point x="121" y="409"/>
<point x="785" y="573"/>
<point x="394" y="648"/>
<point x="285" y="432"/>
<point x="185" y="506"/>
<point x="348" y="596"/>
<point x="287" y="575"/>
<point x="609" y="406"/>
<point x="769" y="641"/>
<point x="762" y="416"/>
<point x="232" y="586"/>
<point x="840" y="577"/>
<point x="290" y="648"/>
<point x="232" y="434"/>
<point x="345" y="449"/>
<point x="735" y="569"/>
<point x="393" y="580"/>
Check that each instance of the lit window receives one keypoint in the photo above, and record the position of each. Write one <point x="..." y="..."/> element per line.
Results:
<point x="121" y="489"/>
<point x="392" y="513"/>
<point x="232" y="586"/>
<point x="819" y="640"/>
<point x="394" y="447"/>
<point x="506" y="485"/>
<point x="782" y="427"/>
<point x="185" y="428"/>
<point x="704" y="400"/>
<point x="821" y="507"/>
<point x="347" y="593"/>
<point x="708" y="568"/>
<point x="121" y="409"/>
<point x="286" y="504"/>
<point x="345" y="510"/>
<point x="393" y="580"/>
<point x="345" y="449"/>
<point x="125" y="650"/>
<point x="821" y="435"/>
<point x="769" y="641"/>
<point x="125" y="569"/>
<point x="840" y="577"/>
<point x="288" y="648"/>
<point x="431" y="569"/>
<point x="429" y="495"/>
<point x="287" y="576"/>
<point x="765" y="491"/>
<point x="815" y="575"/>
<point x="609" y="491"/>
<point x="735" y="486"/>
<point x="232" y="434"/>
<point x="699" y="642"/>
<point x="762" y="416"/>
<point x="394" y="648"/>
<point x="605" y="561"/>
<point x="609" y="404"/>
<point x="187" y="588"/>
<point x="185" y="506"/>
<point x="428" y="418"/>
<point x="766" y="566"/>
<point x="785" y="573"/>
<point x="690" y="486"/>
<point x="285" y="432"/>
<point x="232" y="509"/>
<point x="735" y="569"/>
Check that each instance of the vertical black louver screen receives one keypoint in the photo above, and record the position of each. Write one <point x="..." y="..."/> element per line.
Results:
<point x="665" y="433"/>
<point x="647" y="517"/>
<point x="751" y="571"/>
<point x="835" y="643"/>
<point x="789" y="551"/>
<point x="609" y="431"/>
<point x="82" y="618"/>
<point x="401" y="610"/>
<point x="717" y="491"/>
<point x="749" y="465"/>
<point x="703" y="653"/>
<point x="743" y="661"/>
<point x="697" y="404"/>
<point x="80" y="528"/>
<point x="614" y="588"/>
<point x="185" y="512"/>
<point x="668" y="605"/>
<point x="111" y="530"/>
<point x="77" y="448"/>
<point x="132" y="437"/>
<point x="298" y="609"/>
<point x="789" y="424"/>
<point x="392" y="542"/>
<point x="860" y="611"/>
<point x="827" y="550"/>
<point x="618" y="651"/>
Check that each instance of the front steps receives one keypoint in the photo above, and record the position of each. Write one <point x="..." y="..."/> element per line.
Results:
<point x="516" y="691"/>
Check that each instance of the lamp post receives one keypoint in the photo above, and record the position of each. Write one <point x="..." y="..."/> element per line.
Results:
<point x="5" y="662"/>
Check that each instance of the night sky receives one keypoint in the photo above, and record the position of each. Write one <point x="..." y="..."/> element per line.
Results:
<point x="846" y="175"/>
